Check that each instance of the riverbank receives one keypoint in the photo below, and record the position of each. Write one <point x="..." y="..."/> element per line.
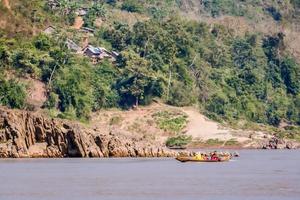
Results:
<point x="25" y="134"/>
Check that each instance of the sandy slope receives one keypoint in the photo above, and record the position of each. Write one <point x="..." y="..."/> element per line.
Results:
<point x="140" y="124"/>
<point x="201" y="127"/>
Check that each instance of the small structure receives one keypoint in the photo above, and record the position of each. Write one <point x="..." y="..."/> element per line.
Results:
<point x="96" y="54"/>
<point x="49" y="30"/>
<point x="93" y="53"/>
<point x="87" y="30"/>
<point x="73" y="46"/>
<point x="115" y="55"/>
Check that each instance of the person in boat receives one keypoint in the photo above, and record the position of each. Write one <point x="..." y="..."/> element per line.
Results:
<point x="214" y="156"/>
<point x="199" y="156"/>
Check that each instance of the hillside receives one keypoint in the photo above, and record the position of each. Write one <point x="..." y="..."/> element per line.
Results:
<point x="237" y="62"/>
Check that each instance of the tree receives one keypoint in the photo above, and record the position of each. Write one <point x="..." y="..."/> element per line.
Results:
<point x="96" y="11"/>
<point x="74" y="91"/>
<point x="242" y="53"/>
<point x="290" y="73"/>
<point x="137" y="77"/>
<point x="132" y="6"/>
<point x="120" y="37"/>
<point x="12" y="94"/>
<point x="42" y="42"/>
<point x="104" y="78"/>
<point x="5" y="56"/>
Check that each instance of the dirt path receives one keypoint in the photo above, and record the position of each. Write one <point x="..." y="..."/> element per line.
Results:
<point x="78" y="23"/>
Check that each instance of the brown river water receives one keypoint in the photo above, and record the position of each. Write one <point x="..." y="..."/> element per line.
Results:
<point x="257" y="174"/>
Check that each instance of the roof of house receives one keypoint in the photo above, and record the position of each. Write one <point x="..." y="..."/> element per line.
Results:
<point x="88" y="29"/>
<point x="94" y="50"/>
<point x="114" y="53"/>
<point x="72" y="45"/>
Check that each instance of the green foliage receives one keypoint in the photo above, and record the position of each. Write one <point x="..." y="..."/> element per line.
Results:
<point x="296" y="3"/>
<point x="178" y="141"/>
<point x="5" y="56"/>
<point x="132" y="6"/>
<point x="249" y="77"/>
<point x="274" y="13"/>
<point x="181" y="95"/>
<point x="212" y="142"/>
<point x="138" y="81"/>
<point x="52" y="101"/>
<point x="104" y="78"/>
<point x="96" y="11"/>
<point x="217" y="104"/>
<point x="74" y="91"/>
<point x="290" y="73"/>
<point x="173" y="122"/>
<point x="231" y="142"/>
<point x="12" y="94"/>
<point x="42" y="42"/>
<point x="217" y="7"/>
<point x="119" y="37"/>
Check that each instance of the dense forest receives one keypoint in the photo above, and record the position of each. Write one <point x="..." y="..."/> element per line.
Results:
<point x="166" y="56"/>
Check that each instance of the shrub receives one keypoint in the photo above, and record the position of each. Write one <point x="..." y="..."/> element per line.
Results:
<point x="178" y="141"/>
<point x="173" y="122"/>
<point x="12" y="94"/>
<point x="274" y="13"/>
<point x="181" y="95"/>
<point x="74" y="91"/>
<point x="132" y="6"/>
<point x="231" y="142"/>
<point x="52" y="101"/>
<point x="42" y="42"/>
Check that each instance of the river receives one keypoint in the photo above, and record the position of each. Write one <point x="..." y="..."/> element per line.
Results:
<point x="257" y="174"/>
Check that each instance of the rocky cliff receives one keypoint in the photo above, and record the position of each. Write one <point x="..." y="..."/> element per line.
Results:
<point x="25" y="134"/>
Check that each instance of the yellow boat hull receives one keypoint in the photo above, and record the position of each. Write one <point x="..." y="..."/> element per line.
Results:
<point x="192" y="159"/>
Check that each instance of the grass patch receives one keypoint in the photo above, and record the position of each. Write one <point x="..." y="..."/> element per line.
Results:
<point x="213" y="142"/>
<point x="231" y="142"/>
<point x="171" y="121"/>
<point x="179" y="141"/>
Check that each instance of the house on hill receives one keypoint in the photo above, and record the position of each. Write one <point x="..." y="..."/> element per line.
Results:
<point x="96" y="54"/>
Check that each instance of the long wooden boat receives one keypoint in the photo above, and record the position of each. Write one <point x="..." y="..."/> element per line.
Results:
<point x="193" y="159"/>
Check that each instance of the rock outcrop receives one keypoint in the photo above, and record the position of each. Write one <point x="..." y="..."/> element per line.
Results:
<point x="25" y="134"/>
<point x="278" y="143"/>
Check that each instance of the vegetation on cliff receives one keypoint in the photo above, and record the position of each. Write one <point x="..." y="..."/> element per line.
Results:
<point x="252" y="76"/>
